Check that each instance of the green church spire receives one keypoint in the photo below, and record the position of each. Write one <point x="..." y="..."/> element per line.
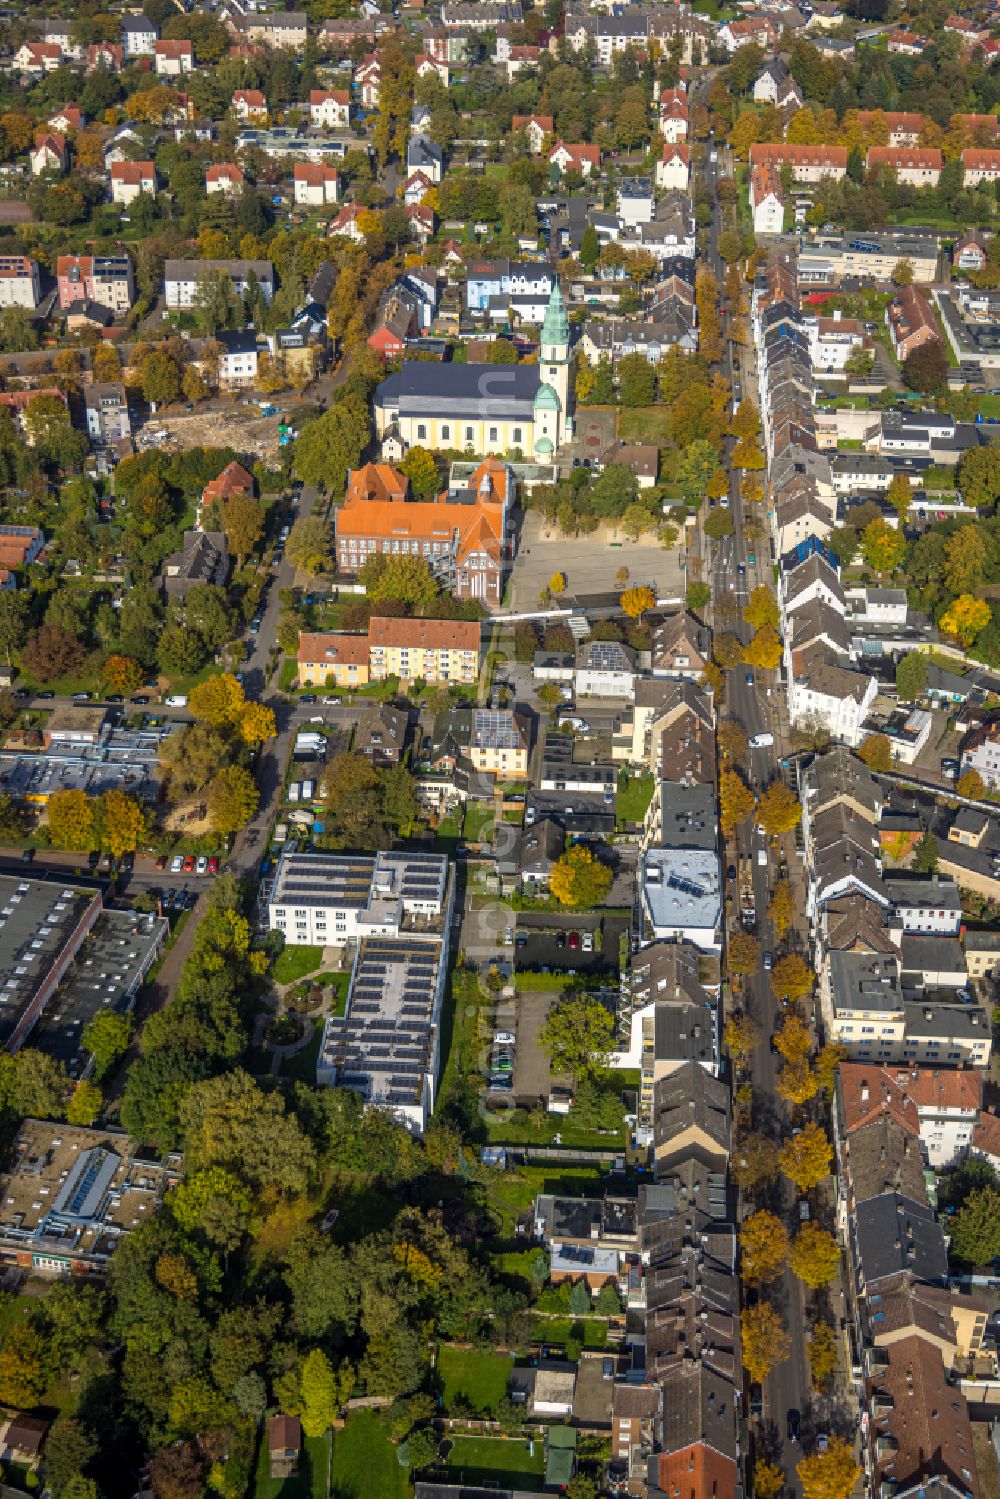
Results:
<point x="555" y="328"/>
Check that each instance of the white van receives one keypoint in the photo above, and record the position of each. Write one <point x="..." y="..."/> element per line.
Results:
<point x="761" y="741"/>
<point x="177" y="700"/>
<point x="308" y="790"/>
<point x="294" y="791"/>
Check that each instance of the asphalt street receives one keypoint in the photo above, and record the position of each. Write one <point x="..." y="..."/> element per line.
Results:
<point x="749" y="702"/>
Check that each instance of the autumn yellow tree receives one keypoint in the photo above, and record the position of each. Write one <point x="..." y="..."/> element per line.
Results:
<point x="882" y="546"/>
<point x="829" y="1059"/>
<point x="727" y="649"/>
<point x="791" y="977"/>
<point x="121" y="673"/>
<point x="765" y="1341"/>
<point x="736" y="800"/>
<point x="751" y="489"/>
<point x="85" y="1104"/>
<point x="805" y="1158"/>
<point x="557" y="584"/>
<point x="747" y="455"/>
<point x="718" y="485"/>
<point x="742" y="953"/>
<point x="782" y="908"/>
<point x="746" y="419"/>
<point x="971" y="784"/>
<point x="121" y="822"/>
<point x="797" y="1083"/>
<point x="741" y="1037"/>
<point x="965" y="618"/>
<point x="106" y="364"/>
<point x="763" y="1247"/>
<point x="814" y="1256"/>
<point x="70" y="818"/>
<point x="636" y="601"/>
<point x="794" y="1040"/>
<point x="779" y="809"/>
<point x="768" y="1479"/>
<point x="579" y="880"/>
<point x="831" y="1474"/>
<point x="257" y="723"/>
<point x="219" y="700"/>
<point x="762" y="608"/>
<point x="822" y="1353"/>
<point x="876" y="752"/>
<point x="764" y="650"/>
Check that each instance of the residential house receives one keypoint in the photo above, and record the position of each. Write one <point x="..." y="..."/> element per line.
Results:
<point x="673" y="116"/>
<point x="106" y="408"/>
<point x="499" y="743"/>
<point x="106" y="57"/>
<point x="807" y="163"/>
<point x="691" y="1117"/>
<point x="329" y="108"/>
<point x="605" y="668"/>
<point x="181" y="279"/>
<point x="969" y="252"/>
<point x="139" y="36"/>
<point x="579" y="158"/>
<point x="224" y="177"/>
<point x="249" y="104"/>
<point x="69" y="117"/>
<point x="913" y="166"/>
<point x="315" y="184"/>
<point x="19" y="284"/>
<point x="904" y="127"/>
<point x="173" y="59"/>
<point x="284" y="1446"/>
<point x="380" y="735"/>
<point x="237" y="357"/>
<point x="775" y="85"/>
<point x="233" y="480"/>
<point x="333" y="660"/>
<point x="673" y="170"/>
<point x="36" y="58"/>
<point x="536" y="128"/>
<point x="424" y="155"/>
<point x="48" y="153"/>
<point x="428" y="650"/>
<point x="203" y="558"/>
<point x="680" y="646"/>
<point x="130" y="178"/>
<point x="980" y="164"/>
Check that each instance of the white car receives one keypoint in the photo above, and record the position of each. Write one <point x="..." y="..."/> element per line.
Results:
<point x="587" y="942"/>
<point x="503" y="1038"/>
<point x="508" y="936"/>
<point x="332" y="702"/>
<point x="202" y="865"/>
<point x="177" y="864"/>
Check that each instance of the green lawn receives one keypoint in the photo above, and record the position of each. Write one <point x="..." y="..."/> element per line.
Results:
<point x="364" y="1461"/>
<point x="303" y="1064"/>
<point x="503" y="1462"/>
<point x="480" y="1377"/>
<point x="562" y="1329"/>
<point x="295" y="962"/>
<point x="477" y="826"/>
<point x="988" y="406"/>
<point x="310" y="1482"/>
<point x="634" y="796"/>
<point x="645" y="424"/>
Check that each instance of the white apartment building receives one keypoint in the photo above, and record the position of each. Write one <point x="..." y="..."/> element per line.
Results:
<point x="19" y="282"/>
<point x="328" y="900"/>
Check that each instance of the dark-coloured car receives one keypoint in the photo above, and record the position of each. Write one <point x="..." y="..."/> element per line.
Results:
<point x="308" y="697"/>
<point x="140" y="701"/>
<point x="731" y="872"/>
<point x="114" y="697"/>
<point x="574" y="939"/>
<point x="793" y="1425"/>
<point x="560" y="939"/>
<point x="46" y="694"/>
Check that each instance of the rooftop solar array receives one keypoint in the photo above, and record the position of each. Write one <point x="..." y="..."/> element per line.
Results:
<point x="495" y="728"/>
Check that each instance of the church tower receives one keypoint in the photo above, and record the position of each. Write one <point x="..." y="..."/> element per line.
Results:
<point x="553" y="369"/>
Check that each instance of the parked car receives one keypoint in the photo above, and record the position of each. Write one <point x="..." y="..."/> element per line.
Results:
<point x="81" y="697"/>
<point x="189" y="864"/>
<point x="503" y="1038"/>
<point x="161" y="862"/>
<point x="202" y="865"/>
<point x="587" y="942"/>
<point x="521" y="940"/>
<point x="308" y="697"/>
<point x="46" y="694"/>
<point x="177" y="864"/>
<point x="213" y="865"/>
<point x="114" y="697"/>
<point x="560" y="939"/>
<point x="768" y="962"/>
<point x="793" y="1425"/>
<point x="508" y="936"/>
<point x="574" y="939"/>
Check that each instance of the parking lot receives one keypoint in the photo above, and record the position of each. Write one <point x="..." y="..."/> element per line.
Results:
<point x="532" y="1079"/>
<point x="550" y="942"/>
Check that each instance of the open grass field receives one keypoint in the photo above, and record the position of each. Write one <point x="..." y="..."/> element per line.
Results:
<point x="497" y="1462"/>
<point x="293" y="963"/>
<point x="633" y="798"/>
<point x="474" y="1374"/>
<point x="364" y="1462"/>
<point x="645" y="424"/>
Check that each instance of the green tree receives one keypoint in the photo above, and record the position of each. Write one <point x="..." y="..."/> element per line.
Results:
<point x="330" y="445"/>
<point x="695" y="466"/>
<point x="161" y="378"/>
<point x="85" y="1104"/>
<point x="975" y="1229"/>
<point x="636" y="380"/>
<point x="233" y="799"/>
<point x="925" y="854"/>
<point x="406" y="578"/>
<point x="578" y="1035"/>
<point x="107" y="1036"/>
<point x="319" y="1392"/>
<point x="309" y="545"/>
<point x="911" y="676"/>
<point x="979" y="475"/>
<point x="420" y="467"/>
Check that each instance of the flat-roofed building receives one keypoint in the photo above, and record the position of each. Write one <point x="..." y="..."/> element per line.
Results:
<point x="328" y="900"/>
<point x="42" y="928"/>
<point x="72" y="1195"/>
<point x="387" y="1045"/>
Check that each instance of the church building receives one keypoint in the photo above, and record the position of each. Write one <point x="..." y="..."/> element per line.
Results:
<point x="484" y="408"/>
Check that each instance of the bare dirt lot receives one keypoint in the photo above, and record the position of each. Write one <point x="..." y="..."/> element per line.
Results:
<point x="239" y="427"/>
